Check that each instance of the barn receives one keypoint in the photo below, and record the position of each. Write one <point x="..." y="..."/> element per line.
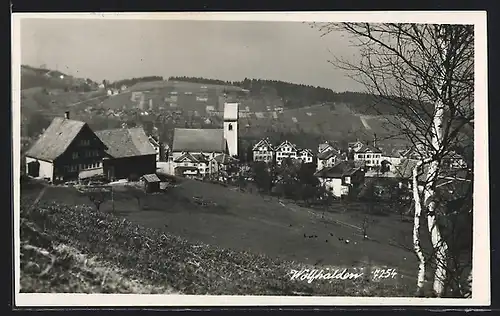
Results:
<point x="129" y="153"/>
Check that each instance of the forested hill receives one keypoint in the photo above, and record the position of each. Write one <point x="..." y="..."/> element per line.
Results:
<point x="300" y="95"/>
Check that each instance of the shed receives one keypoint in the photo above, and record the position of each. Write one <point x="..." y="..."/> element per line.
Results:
<point x="151" y="182"/>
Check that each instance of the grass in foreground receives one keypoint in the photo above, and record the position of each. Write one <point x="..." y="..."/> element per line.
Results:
<point x="78" y="249"/>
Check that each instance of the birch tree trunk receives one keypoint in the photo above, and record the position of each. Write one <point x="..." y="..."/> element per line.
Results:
<point x="439" y="245"/>
<point x="416" y="232"/>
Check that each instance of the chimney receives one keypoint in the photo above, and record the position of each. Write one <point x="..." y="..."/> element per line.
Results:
<point x="66" y="115"/>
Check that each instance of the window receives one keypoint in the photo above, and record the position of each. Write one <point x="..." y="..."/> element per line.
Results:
<point x="230" y="127"/>
<point x="75" y="155"/>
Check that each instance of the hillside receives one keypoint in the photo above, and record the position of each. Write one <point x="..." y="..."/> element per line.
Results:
<point x="57" y="238"/>
<point x="268" y="108"/>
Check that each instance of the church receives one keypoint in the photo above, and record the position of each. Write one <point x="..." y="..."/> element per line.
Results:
<point x="198" y="151"/>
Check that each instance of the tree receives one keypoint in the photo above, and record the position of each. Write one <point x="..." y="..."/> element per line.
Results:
<point x="98" y="197"/>
<point x="425" y="74"/>
<point x="262" y="176"/>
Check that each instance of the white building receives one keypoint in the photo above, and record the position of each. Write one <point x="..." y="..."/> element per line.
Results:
<point x="370" y="155"/>
<point x="285" y="150"/>
<point x="306" y="155"/>
<point x="263" y="151"/>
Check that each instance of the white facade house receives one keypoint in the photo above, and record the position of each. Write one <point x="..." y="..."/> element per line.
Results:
<point x="285" y="150"/>
<point x="263" y="151"/>
<point x="370" y="155"/>
<point x="305" y="155"/>
<point x="192" y="165"/>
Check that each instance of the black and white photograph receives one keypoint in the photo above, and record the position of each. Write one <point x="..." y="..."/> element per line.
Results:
<point x="250" y="159"/>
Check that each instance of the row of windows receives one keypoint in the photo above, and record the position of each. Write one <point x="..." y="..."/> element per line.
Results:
<point x="262" y="152"/>
<point x="85" y="166"/>
<point x="89" y="153"/>
<point x="369" y="156"/>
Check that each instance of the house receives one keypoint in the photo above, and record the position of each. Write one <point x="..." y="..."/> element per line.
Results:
<point x="341" y="178"/>
<point x="221" y="163"/>
<point x="129" y="153"/>
<point x="285" y="150"/>
<point x="263" y="151"/>
<point x="355" y="146"/>
<point x="151" y="182"/>
<point x="328" y="158"/>
<point x="66" y="148"/>
<point x="453" y="160"/>
<point x="370" y="155"/>
<point x="306" y="155"/>
<point x="159" y="149"/>
<point x="328" y="146"/>
<point x="198" y="161"/>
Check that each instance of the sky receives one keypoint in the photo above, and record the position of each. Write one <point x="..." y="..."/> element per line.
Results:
<point x="228" y="50"/>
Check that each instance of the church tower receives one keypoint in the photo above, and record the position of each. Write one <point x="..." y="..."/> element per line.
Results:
<point x="231" y="127"/>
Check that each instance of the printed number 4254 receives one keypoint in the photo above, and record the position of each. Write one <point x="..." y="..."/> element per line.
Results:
<point x="384" y="273"/>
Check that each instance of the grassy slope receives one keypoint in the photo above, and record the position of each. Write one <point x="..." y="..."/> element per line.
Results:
<point x="159" y="262"/>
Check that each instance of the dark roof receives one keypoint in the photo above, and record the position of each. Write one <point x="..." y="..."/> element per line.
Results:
<point x="327" y="154"/>
<point x="369" y="149"/>
<point x="199" y="140"/>
<point x="343" y="168"/>
<point x="192" y="157"/>
<point x="151" y="177"/>
<point x="224" y="159"/>
<point x="56" y="139"/>
<point x="126" y="142"/>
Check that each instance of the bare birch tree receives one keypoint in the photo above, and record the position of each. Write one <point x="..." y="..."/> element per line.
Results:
<point x="422" y="75"/>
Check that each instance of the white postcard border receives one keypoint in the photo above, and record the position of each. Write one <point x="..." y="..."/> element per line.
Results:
<point x="481" y="241"/>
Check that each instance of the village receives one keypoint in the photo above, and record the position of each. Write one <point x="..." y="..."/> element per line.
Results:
<point x="68" y="151"/>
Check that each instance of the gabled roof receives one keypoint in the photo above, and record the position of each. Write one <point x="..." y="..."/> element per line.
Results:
<point x="327" y="146"/>
<point x="327" y="154"/>
<point x="286" y="143"/>
<point x="369" y="149"/>
<point x="151" y="178"/>
<point x="224" y="159"/>
<point x="56" y="139"/>
<point x="123" y="143"/>
<point x="342" y="168"/>
<point x="263" y="142"/>
<point x="199" y="140"/>
<point x="307" y="151"/>
<point x="405" y="169"/>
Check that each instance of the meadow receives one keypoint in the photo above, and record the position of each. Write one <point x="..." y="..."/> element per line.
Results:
<point x="233" y="243"/>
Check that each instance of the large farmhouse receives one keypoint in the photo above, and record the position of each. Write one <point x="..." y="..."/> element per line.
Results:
<point x="66" y="148"/>
<point x="70" y="150"/>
